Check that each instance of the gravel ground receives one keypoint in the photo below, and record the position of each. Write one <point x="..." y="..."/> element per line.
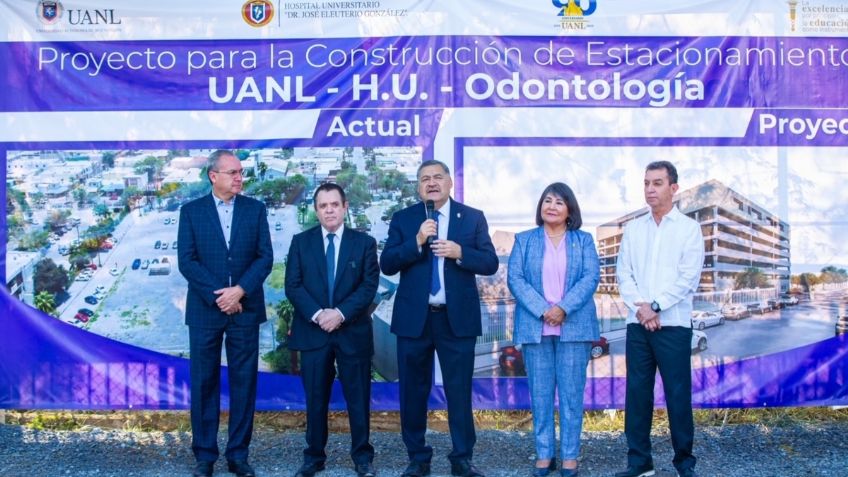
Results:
<point x="819" y="449"/>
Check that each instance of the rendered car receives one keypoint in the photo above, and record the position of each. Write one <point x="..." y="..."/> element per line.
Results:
<point x="174" y="245"/>
<point x="511" y="362"/>
<point x="758" y="307"/>
<point x="136" y="264"/>
<point x="788" y="300"/>
<point x="157" y="245"/>
<point x="114" y="272"/>
<point x="91" y="299"/>
<point x="841" y="327"/>
<point x="145" y="264"/>
<point x="86" y="312"/>
<point x="699" y="341"/>
<point x="599" y="348"/>
<point x="704" y="318"/>
<point x="735" y="311"/>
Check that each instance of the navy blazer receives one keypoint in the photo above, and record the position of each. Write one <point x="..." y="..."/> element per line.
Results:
<point x="208" y="265"/>
<point x="357" y="277"/>
<point x="524" y="278"/>
<point x="469" y="229"/>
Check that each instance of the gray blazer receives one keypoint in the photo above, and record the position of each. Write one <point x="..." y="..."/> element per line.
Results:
<point x="525" y="282"/>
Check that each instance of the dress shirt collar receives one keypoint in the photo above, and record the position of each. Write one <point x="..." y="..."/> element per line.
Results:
<point x="444" y="210"/>
<point x="219" y="201"/>
<point x="673" y="215"/>
<point x="338" y="233"/>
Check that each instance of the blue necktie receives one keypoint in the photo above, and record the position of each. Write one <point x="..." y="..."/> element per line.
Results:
<point x="331" y="266"/>
<point x="435" y="285"/>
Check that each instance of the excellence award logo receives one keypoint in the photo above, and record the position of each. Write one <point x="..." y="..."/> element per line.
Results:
<point x="257" y="13"/>
<point x="573" y="14"/>
<point x="49" y="13"/>
<point x="793" y="10"/>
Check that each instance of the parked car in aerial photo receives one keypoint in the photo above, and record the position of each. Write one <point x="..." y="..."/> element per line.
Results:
<point x="735" y="311"/>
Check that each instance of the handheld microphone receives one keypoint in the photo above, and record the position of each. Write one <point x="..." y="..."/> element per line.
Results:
<point x="430" y="206"/>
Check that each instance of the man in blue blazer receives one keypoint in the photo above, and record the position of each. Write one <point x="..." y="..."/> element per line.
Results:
<point x="438" y="246"/>
<point x="331" y="279"/>
<point x="224" y="252"/>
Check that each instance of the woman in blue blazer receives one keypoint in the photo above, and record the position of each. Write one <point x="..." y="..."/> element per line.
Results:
<point x="553" y="273"/>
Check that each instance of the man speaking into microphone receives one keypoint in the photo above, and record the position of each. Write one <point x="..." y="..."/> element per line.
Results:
<point x="439" y="246"/>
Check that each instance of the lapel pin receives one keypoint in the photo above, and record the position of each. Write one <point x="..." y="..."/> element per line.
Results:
<point x="458" y="215"/>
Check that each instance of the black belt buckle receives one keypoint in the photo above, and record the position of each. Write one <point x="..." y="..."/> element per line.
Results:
<point x="437" y="308"/>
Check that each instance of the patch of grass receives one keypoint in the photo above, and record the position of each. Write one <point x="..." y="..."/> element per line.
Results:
<point x="54" y="422"/>
<point x="135" y="318"/>
<point x="389" y="421"/>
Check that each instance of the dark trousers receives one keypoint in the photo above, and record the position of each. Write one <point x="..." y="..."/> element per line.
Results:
<point x="242" y="346"/>
<point x="318" y="369"/>
<point x="669" y="350"/>
<point x="415" y="372"/>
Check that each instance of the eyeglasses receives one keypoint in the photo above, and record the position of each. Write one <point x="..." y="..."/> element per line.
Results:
<point x="232" y="173"/>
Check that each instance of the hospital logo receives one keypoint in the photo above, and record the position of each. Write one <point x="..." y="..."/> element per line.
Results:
<point x="573" y="15"/>
<point x="49" y="12"/>
<point x="257" y="13"/>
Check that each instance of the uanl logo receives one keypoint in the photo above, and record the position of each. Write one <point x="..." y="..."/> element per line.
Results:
<point x="573" y="15"/>
<point x="105" y="16"/>
<point x="257" y="13"/>
<point x="49" y="12"/>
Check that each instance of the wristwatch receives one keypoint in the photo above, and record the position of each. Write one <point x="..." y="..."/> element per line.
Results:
<point x="655" y="306"/>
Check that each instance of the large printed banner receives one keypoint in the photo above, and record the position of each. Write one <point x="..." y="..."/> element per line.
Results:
<point x="108" y="112"/>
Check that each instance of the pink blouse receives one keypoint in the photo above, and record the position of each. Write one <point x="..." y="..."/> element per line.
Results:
<point x="554" y="269"/>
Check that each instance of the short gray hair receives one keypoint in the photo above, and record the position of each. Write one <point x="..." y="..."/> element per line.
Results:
<point x="212" y="161"/>
<point x="432" y="162"/>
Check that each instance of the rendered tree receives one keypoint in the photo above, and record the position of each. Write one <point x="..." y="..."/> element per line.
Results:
<point x="751" y="278"/>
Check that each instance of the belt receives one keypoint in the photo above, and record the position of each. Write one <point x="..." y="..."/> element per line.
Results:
<point x="437" y="308"/>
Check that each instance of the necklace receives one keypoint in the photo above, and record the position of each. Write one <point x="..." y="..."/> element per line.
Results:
<point x="554" y="236"/>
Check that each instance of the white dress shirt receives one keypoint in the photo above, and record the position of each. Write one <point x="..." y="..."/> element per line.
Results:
<point x="661" y="263"/>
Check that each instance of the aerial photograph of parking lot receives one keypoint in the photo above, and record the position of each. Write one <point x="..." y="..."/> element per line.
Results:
<point x="92" y="235"/>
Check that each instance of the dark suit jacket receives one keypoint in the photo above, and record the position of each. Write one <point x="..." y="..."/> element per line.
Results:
<point x="208" y="265"/>
<point x="357" y="276"/>
<point x="469" y="229"/>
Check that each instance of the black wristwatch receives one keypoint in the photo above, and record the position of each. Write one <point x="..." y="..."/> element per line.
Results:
<point x="655" y="306"/>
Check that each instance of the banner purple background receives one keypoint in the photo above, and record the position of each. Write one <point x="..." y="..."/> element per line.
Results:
<point x="46" y="363"/>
